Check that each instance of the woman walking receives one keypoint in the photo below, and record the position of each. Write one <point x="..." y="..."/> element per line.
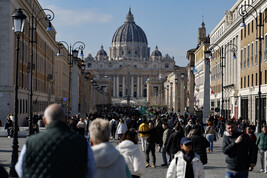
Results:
<point x="211" y="135"/>
<point x="131" y="153"/>
<point x="121" y="128"/>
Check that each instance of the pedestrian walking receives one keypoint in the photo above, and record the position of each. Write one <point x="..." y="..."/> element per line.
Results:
<point x="121" y="128"/>
<point x="109" y="161"/>
<point x="186" y="163"/>
<point x="143" y="128"/>
<point x="9" y="128"/>
<point x="262" y="144"/>
<point x="81" y="126"/>
<point x="151" y="144"/>
<point x="165" y="138"/>
<point x="113" y="127"/>
<point x="241" y="152"/>
<point x="56" y="152"/>
<point x="173" y="146"/>
<point x="211" y="135"/>
<point x="200" y="145"/>
<point x="131" y="153"/>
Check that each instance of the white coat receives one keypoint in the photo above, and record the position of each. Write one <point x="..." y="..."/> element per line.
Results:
<point x="121" y="128"/>
<point x="133" y="157"/>
<point x="178" y="171"/>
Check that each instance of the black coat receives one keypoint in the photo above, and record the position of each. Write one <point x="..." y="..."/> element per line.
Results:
<point x="200" y="144"/>
<point x="239" y="155"/>
<point x="173" y="144"/>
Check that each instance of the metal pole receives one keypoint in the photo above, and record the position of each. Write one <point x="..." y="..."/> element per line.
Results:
<point x="15" y="145"/>
<point x="69" y="81"/>
<point x="31" y="68"/>
<point x="222" y="111"/>
<point x="260" y="58"/>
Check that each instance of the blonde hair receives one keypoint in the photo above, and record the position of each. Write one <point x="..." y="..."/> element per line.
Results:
<point x="99" y="131"/>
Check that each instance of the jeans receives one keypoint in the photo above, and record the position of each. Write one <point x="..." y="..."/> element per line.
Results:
<point x="240" y="174"/>
<point x="263" y="159"/>
<point x="164" y="157"/>
<point x="143" y="143"/>
<point x="210" y="138"/>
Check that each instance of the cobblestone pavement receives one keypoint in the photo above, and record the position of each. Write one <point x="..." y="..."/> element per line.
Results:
<point x="214" y="169"/>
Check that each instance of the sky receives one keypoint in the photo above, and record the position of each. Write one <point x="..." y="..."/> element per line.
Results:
<point x="172" y="25"/>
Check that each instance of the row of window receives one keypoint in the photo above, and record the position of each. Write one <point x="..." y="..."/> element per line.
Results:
<point x="252" y="80"/>
<point x="249" y="29"/>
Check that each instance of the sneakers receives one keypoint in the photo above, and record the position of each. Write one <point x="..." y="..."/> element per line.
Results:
<point x="153" y="165"/>
<point x="147" y="165"/>
<point x="164" y="165"/>
<point x="208" y="150"/>
<point x="262" y="170"/>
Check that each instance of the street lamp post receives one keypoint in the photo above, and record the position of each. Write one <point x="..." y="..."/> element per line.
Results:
<point x="191" y="90"/>
<point x="182" y="95"/>
<point x="243" y="12"/>
<point x="19" y="20"/>
<point x="33" y="28"/>
<point x="73" y="53"/>
<point x="223" y="52"/>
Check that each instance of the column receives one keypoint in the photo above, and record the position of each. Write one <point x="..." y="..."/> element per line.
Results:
<point x="250" y="107"/>
<point x="118" y="86"/>
<point x="142" y="86"/>
<point x="132" y="85"/>
<point x="82" y="99"/>
<point x="138" y="86"/>
<point x="75" y="89"/>
<point x="206" y="103"/>
<point x="123" y="86"/>
<point x="114" y="86"/>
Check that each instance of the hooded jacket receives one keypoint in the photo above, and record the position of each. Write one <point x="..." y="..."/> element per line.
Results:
<point x="239" y="156"/>
<point x="133" y="157"/>
<point x="109" y="161"/>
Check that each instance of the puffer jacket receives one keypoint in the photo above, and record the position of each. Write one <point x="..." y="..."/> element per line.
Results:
<point x="177" y="170"/>
<point x="144" y="128"/>
<point x="133" y="157"/>
<point x="239" y="156"/>
<point x="262" y="141"/>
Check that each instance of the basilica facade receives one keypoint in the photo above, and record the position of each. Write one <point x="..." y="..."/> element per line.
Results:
<point x="125" y="72"/>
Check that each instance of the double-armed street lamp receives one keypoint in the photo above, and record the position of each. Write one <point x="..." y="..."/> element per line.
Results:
<point x="19" y="21"/>
<point x="33" y="22"/>
<point x="244" y="13"/>
<point x="223" y="51"/>
<point x="73" y="52"/>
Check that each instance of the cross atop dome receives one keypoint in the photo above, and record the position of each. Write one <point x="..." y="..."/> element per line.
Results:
<point x="129" y="17"/>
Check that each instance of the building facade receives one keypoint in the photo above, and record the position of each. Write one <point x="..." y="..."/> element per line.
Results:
<point x="129" y="64"/>
<point x="44" y="47"/>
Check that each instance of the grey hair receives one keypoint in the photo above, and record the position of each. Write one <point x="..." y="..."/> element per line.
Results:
<point x="99" y="131"/>
<point x="54" y="112"/>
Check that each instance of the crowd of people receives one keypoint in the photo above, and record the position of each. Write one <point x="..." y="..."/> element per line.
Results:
<point x="184" y="142"/>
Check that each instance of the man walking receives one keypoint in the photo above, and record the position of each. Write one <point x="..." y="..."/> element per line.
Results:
<point x="56" y="152"/>
<point x="143" y="128"/>
<point x="241" y="152"/>
<point x="151" y="143"/>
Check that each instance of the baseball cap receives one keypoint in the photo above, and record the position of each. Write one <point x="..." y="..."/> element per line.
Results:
<point x="185" y="140"/>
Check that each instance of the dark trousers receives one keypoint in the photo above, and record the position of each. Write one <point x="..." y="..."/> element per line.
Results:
<point x="113" y="131"/>
<point x="150" y="147"/>
<point x="10" y="132"/>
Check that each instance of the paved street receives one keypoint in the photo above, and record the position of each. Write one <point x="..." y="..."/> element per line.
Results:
<point x="214" y="169"/>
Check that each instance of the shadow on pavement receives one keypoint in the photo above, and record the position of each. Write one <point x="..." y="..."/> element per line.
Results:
<point x="214" y="167"/>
